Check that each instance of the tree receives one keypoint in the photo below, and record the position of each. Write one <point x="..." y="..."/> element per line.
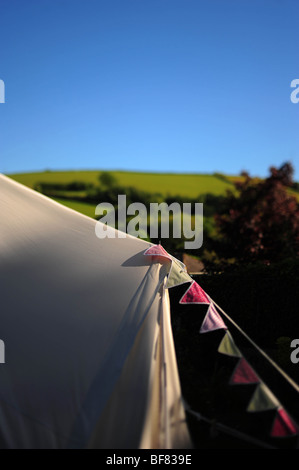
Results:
<point x="107" y="180"/>
<point x="261" y="221"/>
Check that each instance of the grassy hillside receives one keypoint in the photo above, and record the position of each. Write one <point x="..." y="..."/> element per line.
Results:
<point x="190" y="185"/>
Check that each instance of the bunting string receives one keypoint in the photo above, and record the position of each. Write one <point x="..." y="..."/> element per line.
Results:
<point x="230" y="431"/>
<point x="276" y="366"/>
<point x="262" y="398"/>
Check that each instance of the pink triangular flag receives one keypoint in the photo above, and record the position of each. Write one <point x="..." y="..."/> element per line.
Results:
<point x="244" y="374"/>
<point x="157" y="250"/>
<point x="212" y="321"/>
<point x="195" y="295"/>
<point x="283" y="425"/>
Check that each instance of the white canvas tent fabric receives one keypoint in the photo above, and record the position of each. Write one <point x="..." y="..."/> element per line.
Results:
<point x="90" y="360"/>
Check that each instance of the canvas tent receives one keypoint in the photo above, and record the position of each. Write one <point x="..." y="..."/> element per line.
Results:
<point x="89" y="354"/>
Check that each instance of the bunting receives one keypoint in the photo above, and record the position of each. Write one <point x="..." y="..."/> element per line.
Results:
<point x="262" y="399"/>
<point x="157" y="250"/>
<point x="177" y="275"/>
<point x="228" y="347"/>
<point x="180" y="263"/>
<point x="244" y="374"/>
<point x="283" y="425"/>
<point x="195" y="295"/>
<point x="212" y="321"/>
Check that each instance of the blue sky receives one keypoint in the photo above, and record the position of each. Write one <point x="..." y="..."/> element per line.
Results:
<point x="156" y="85"/>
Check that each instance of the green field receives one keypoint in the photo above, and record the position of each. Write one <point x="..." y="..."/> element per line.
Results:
<point x="167" y="184"/>
<point x="189" y="185"/>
